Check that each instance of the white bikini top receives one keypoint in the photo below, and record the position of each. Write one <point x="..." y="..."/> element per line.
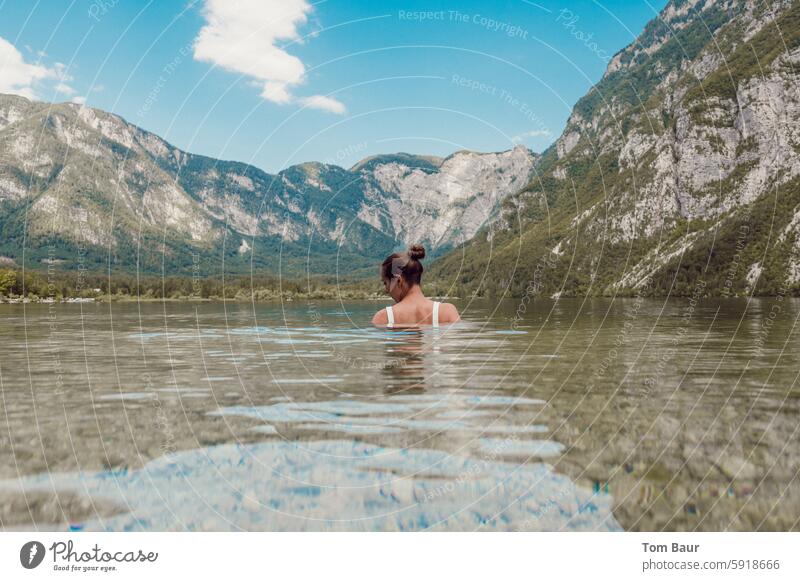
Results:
<point x="390" y="315"/>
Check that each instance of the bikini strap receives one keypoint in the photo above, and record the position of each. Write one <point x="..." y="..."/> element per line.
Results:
<point x="436" y="313"/>
<point x="390" y="316"/>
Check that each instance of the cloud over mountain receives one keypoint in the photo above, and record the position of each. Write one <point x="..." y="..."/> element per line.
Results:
<point x="18" y="77"/>
<point x="250" y="37"/>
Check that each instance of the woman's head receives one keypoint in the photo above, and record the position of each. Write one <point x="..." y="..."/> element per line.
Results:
<point x="402" y="271"/>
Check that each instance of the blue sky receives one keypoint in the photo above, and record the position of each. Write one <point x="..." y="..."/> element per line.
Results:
<point x="278" y="82"/>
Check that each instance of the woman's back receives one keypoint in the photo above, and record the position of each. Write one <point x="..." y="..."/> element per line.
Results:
<point x="417" y="312"/>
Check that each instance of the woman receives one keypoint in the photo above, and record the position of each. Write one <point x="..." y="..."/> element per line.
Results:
<point x="401" y="273"/>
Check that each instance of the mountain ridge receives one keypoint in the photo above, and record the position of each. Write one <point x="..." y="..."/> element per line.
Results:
<point x="73" y="175"/>
<point x="669" y="171"/>
<point x="677" y="173"/>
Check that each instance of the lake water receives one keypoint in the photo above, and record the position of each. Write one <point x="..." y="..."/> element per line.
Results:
<point x="562" y="415"/>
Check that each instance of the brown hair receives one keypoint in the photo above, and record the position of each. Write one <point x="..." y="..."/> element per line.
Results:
<point x="407" y="264"/>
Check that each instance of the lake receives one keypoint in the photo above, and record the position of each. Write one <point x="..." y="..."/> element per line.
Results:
<point x="596" y="414"/>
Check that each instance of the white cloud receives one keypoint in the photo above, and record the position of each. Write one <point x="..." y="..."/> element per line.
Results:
<point x="242" y="36"/>
<point x="324" y="103"/>
<point x="18" y="77"/>
<point x="535" y="133"/>
<point x="65" y="89"/>
<point x="79" y="100"/>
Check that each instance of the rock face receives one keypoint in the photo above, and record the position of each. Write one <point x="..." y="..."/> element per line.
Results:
<point x="79" y="181"/>
<point x="448" y="203"/>
<point x="679" y="168"/>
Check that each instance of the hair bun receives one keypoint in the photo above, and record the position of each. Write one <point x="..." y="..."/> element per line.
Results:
<point x="416" y="251"/>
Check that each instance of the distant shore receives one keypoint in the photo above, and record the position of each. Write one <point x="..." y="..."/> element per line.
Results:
<point x="149" y="299"/>
<point x="239" y="298"/>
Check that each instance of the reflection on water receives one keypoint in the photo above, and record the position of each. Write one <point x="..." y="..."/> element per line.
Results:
<point x="579" y="415"/>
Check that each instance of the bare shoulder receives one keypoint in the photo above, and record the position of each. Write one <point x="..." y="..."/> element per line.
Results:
<point x="380" y="318"/>
<point x="448" y="313"/>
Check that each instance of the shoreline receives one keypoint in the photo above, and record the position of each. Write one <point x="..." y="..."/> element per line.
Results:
<point x="371" y="298"/>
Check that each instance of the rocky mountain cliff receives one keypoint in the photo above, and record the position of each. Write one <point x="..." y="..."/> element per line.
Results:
<point x="79" y="185"/>
<point x="677" y="173"/>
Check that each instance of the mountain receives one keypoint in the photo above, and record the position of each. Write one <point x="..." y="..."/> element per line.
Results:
<point x="679" y="172"/>
<point x="80" y="187"/>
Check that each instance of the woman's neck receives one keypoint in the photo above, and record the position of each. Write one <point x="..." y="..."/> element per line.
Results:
<point x="413" y="294"/>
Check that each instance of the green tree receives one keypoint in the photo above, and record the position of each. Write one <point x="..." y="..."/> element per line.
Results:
<point x="8" y="279"/>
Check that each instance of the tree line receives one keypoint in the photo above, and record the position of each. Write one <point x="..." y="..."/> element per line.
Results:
<point x="59" y="285"/>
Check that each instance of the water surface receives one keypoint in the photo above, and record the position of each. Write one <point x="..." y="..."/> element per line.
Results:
<point x="552" y="415"/>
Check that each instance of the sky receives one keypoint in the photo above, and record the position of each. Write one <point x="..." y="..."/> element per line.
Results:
<point x="279" y="82"/>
